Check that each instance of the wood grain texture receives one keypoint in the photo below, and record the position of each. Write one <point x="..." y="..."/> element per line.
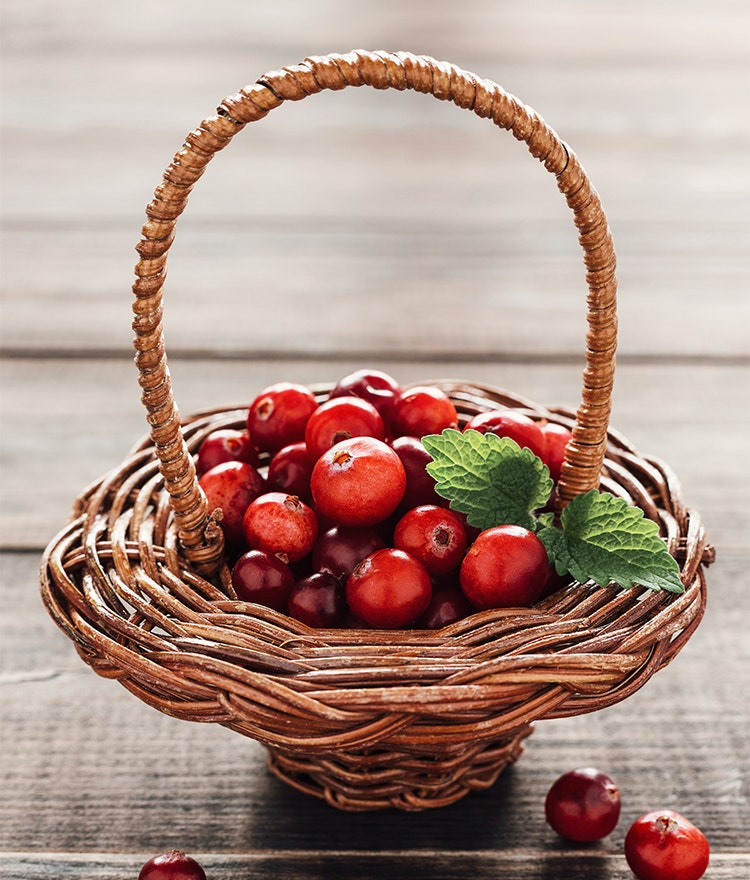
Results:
<point x="409" y="236"/>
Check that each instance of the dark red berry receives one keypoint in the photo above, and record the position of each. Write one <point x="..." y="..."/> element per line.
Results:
<point x="172" y="865"/>
<point x="664" y="845"/>
<point x="389" y="589"/>
<point x="232" y="486"/>
<point x="423" y="409"/>
<point x="374" y="386"/>
<point x="420" y="486"/>
<point x="261" y="577"/>
<point x="583" y="805"/>
<point x="290" y="469"/>
<point x="340" y="549"/>
<point x="225" y="444"/>
<point x="318" y="600"/>
<point x="447" y="605"/>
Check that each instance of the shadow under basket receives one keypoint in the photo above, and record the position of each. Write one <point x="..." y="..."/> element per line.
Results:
<point x="365" y="719"/>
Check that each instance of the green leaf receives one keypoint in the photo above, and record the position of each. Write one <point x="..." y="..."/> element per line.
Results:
<point x="606" y="540"/>
<point x="489" y="478"/>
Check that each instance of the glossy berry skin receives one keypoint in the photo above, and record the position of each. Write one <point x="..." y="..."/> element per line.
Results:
<point x="232" y="486"/>
<point x="358" y="482"/>
<point x="374" y="386"/>
<point x="664" y="845"/>
<point x="423" y="409"/>
<point x="340" y="549"/>
<point x="389" y="589"/>
<point x="290" y="469"/>
<point x="447" y="605"/>
<point x="278" y="415"/>
<point x="263" y="578"/>
<point x="583" y="805"/>
<point x="318" y="600"/>
<point x="506" y="566"/>
<point x="225" y="444"/>
<point x="506" y="423"/>
<point x="172" y="865"/>
<point x="433" y="535"/>
<point x="281" y="524"/>
<point x="420" y="486"/>
<point x="556" y="439"/>
<point x="339" y="419"/>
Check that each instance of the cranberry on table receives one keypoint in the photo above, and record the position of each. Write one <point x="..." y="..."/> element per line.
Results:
<point x="318" y="600"/>
<point x="506" y="566"/>
<point x="358" y="482"/>
<point x="433" y="535"/>
<point x="339" y="419"/>
<point x="172" y="865"/>
<point x="278" y="415"/>
<point x="289" y="470"/>
<point x="420" y="486"/>
<point x="389" y="589"/>
<point x="261" y="577"/>
<point x="225" y="444"/>
<point x="231" y="486"/>
<point x="374" y="386"/>
<point x="583" y="805"/>
<point x="507" y="423"/>
<point x="423" y="409"/>
<point x="340" y="549"/>
<point x="664" y="844"/>
<point x="282" y="524"/>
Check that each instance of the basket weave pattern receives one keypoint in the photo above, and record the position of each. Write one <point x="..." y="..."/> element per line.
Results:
<point x="365" y="719"/>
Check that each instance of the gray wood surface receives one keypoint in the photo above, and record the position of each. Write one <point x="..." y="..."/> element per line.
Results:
<point x="358" y="229"/>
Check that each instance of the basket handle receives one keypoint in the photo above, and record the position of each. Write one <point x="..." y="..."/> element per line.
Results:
<point x="200" y="535"/>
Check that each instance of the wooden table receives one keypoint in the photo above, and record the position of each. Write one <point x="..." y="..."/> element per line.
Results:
<point x="366" y="229"/>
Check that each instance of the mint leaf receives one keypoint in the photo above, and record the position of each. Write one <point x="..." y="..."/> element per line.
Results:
<point x="606" y="540"/>
<point x="489" y="478"/>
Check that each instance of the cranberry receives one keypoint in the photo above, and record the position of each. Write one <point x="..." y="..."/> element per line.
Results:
<point x="358" y="482"/>
<point x="389" y="589"/>
<point x="232" y="486"/>
<point x="339" y="419"/>
<point x="556" y="439"/>
<point x="278" y="415"/>
<point x="506" y="423"/>
<point x="340" y="549"/>
<point x="663" y="844"/>
<point x="433" y="535"/>
<point x="420" y="486"/>
<point x="318" y="600"/>
<point x="225" y="444"/>
<point x="506" y="566"/>
<point x="447" y="605"/>
<point x="261" y="577"/>
<point x="281" y="524"/>
<point x="423" y="409"/>
<point x="172" y="865"/>
<point x="289" y="470"/>
<point x="583" y="805"/>
<point x="374" y="386"/>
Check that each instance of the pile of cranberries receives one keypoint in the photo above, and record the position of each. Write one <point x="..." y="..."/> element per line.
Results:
<point x="330" y="516"/>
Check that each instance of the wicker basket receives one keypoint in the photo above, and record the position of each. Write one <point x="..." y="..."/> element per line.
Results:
<point x="365" y="719"/>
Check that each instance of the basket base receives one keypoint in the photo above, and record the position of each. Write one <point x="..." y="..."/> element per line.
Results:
<point x="378" y="780"/>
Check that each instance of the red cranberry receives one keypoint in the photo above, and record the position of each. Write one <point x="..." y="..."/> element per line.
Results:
<point x="339" y="419"/>
<point x="423" y="409"/>
<point x="389" y="589"/>
<point x="281" y="524"/>
<point x="318" y="600"/>
<point x="556" y="439"/>
<point x="261" y="577"/>
<point x="447" y="605"/>
<point x="232" y="486"/>
<point x="506" y="566"/>
<point x="278" y="415"/>
<point x="433" y="535"/>
<point x="420" y="486"/>
<point x="358" y="482"/>
<point x="290" y="469"/>
<point x="583" y="805"/>
<point x="507" y="423"/>
<point x="663" y="844"/>
<point x="172" y="865"/>
<point x="374" y="386"/>
<point x="225" y="444"/>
